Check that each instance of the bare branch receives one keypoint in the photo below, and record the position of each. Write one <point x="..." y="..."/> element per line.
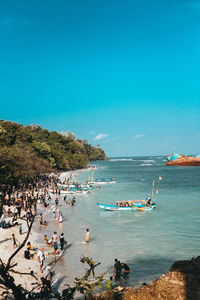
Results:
<point x="3" y="287"/>
<point x="24" y="273"/>
<point x="13" y="265"/>
<point x="8" y="266"/>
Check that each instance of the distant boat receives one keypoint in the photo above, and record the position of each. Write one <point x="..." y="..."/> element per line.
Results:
<point x="70" y="191"/>
<point x="103" y="180"/>
<point x="140" y="206"/>
<point x="176" y="159"/>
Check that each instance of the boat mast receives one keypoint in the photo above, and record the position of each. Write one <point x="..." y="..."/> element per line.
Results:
<point x="92" y="174"/>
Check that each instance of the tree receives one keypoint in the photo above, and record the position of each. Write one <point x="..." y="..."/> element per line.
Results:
<point x="58" y="151"/>
<point x="20" y="163"/>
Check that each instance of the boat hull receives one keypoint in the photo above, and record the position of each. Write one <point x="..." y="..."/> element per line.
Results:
<point x="107" y="207"/>
<point x="82" y="192"/>
<point x="184" y="162"/>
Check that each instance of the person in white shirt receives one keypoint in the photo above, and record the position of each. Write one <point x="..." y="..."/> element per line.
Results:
<point x="41" y="258"/>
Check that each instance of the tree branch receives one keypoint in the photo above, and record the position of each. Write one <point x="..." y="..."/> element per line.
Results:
<point x="24" y="273"/>
<point x="8" y="266"/>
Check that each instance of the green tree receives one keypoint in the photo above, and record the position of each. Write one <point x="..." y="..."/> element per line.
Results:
<point x="20" y="163"/>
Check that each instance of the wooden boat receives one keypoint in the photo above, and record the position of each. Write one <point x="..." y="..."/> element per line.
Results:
<point x="136" y="207"/>
<point x="182" y="160"/>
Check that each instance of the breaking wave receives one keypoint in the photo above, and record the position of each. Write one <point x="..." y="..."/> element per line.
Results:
<point x="146" y="160"/>
<point x="121" y="159"/>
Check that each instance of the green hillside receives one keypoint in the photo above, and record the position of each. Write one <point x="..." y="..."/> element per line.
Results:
<point x="27" y="151"/>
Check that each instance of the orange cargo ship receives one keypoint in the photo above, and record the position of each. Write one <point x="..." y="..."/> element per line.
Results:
<point x="182" y="160"/>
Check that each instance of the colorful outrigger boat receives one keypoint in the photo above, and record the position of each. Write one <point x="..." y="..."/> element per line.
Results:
<point x="134" y="206"/>
<point x="176" y="159"/>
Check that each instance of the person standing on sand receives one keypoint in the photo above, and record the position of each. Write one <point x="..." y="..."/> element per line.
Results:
<point x="48" y="277"/>
<point x="62" y="241"/>
<point x="41" y="219"/>
<point x="41" y="258"/>
<point x="55" y="242"/>
<point x="14" y="241"/>
<point x="87" y="236"/>
<point x="15" y="213"/>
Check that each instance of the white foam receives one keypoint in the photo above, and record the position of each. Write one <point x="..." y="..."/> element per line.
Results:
<point x="148" y="160"/>
<point x="121" y="159"/>
<point x="144" y="160"/>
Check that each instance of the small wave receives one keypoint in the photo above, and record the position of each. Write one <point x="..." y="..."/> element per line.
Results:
<point x="121" y="159"/>
<point x="146" y="165"/>
<point x="149" y="160"/>
<point x="146" y="160"/>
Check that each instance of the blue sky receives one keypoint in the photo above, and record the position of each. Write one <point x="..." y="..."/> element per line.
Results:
<point x="122" y="74"/>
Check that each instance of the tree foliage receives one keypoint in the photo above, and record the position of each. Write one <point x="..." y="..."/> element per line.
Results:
<point x="31" y="150"/>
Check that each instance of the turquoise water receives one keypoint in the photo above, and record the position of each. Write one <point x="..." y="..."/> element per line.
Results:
<point x="148" y="242"/>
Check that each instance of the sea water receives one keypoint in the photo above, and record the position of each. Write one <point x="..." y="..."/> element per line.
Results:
<point x="148" y="242"/>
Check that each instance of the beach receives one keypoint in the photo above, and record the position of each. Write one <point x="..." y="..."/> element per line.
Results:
<point x="36" y="238"/>
<point x="23" y="265"/>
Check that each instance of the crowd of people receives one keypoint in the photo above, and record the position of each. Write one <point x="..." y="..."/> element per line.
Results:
<point x="24" y="203"/>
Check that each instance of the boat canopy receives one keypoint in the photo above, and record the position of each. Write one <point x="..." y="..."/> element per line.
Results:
<point x="173" y="156"/>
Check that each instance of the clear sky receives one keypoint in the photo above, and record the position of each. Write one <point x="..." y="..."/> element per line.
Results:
<point x="124" y="74"/>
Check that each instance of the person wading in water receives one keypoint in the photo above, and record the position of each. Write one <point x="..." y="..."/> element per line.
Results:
<point x="117" y="270"/>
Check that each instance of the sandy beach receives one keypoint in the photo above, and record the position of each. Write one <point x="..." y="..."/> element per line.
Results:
<point x="36" y="238"/>
<point x="23" y="265"/>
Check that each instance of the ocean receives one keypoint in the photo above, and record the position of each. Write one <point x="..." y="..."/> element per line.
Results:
<point x="148" y="242"/>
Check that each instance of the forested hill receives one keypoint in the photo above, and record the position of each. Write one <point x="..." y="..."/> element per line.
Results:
<point x="31" y="150"/>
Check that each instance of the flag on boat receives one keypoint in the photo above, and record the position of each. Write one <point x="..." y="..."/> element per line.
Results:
<point x="160" y="177"/>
